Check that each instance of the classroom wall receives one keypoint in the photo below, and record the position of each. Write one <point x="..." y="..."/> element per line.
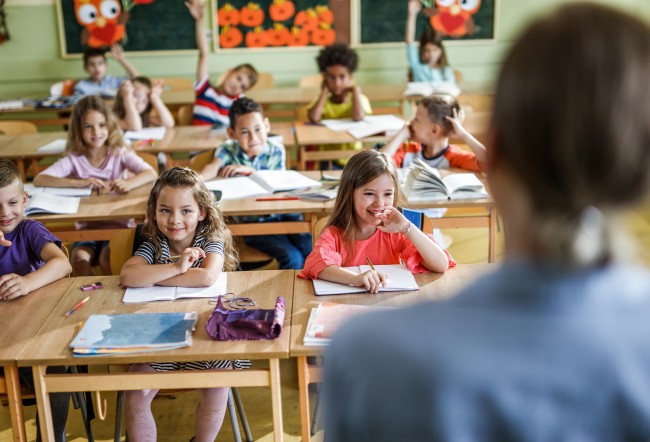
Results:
<point x="30" y="62"/>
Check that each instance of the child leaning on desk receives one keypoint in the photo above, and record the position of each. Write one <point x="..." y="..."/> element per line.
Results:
<point x="339" y="97"/>
<point x="248" y="150"/>
<point x="30" y="257"/>
<point x="212" y="103"/>
<point x="366" y="224"/>
<point x="100" y="82"/>
<point x="97" y="156"/>
<point x="187" y="244"/>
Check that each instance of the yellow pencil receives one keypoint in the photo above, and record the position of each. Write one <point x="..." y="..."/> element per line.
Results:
<point x="370" y="264"/>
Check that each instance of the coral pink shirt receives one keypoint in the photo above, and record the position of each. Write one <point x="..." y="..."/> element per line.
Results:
<point x="381" y="248"/>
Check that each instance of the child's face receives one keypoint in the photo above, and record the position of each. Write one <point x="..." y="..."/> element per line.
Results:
<point x="178" y="215"/>
<point x="431" y="54"/>
<point x="96" y="67"/>
<point x="371" y="199"/>
<point x="12" y="206"/>
<point x="141" y="96"/>
<point x="423" y="130"/>
<point x="251" y="131"/>
<point x="236" y="82"/>
<point x="337" y="79"/>
<point x="94" y="130"/>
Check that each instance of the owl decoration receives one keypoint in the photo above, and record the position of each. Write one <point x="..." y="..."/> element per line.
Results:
<point x="454" y="17"/>
<point x="103" y="22"/>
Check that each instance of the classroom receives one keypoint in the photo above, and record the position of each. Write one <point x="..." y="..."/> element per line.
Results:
<point x="280" y="396"/>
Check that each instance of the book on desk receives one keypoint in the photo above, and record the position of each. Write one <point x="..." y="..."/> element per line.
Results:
<point x="162" y="293"/>
<point x="399" y="278"/>
<point x="60" y="191"/>
<point x="370" y="125"/>
<point x="426" y="88"/>
<point x="261" y="182"/>
<point x="134" y="332"/>
<point x="44" y="202"/>
<point x="422" y="182"/>
<point x="325" y="319"/>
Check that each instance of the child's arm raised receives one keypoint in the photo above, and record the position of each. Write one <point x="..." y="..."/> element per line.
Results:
<point x="413" y="9"/>
<point x="137" y="272"/>
<point x="197" y="9"/>
<point x="56" y="267"/>
<point x="461" y="133"/>
<point x="118" y="54"/>
<point x="433" y="257"/>
<point x="163" y="116"/>
<point x="131" y="120"/>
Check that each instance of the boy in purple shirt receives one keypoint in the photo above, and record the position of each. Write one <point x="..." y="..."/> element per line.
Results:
<point x="30" y="257"/>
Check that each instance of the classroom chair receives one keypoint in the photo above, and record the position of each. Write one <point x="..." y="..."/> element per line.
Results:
<point x="176" y="84"/>
<point x="17" y="127"/>
<point x="122" y="246"/>
<point x="185" y="115"/>
<point x="311" y="81"/>
<point x="62" y="88"/>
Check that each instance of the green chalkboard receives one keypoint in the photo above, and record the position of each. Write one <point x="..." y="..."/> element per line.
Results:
<point x="383" y="21"/>
<point x="159" y="25"/>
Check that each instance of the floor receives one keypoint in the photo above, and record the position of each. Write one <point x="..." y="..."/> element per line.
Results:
<point x="175" y="416"/>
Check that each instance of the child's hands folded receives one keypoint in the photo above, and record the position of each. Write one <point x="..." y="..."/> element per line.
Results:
<point x="189" y="256"/>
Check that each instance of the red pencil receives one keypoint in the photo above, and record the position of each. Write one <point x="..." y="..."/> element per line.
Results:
<point x="278" y="198"/>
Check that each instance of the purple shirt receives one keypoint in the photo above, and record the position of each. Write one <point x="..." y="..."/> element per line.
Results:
<point x="24" y="254"/>
<point x="114" y="166"/>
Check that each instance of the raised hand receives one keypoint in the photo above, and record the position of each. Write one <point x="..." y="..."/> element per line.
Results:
<point x="196" y="8"/>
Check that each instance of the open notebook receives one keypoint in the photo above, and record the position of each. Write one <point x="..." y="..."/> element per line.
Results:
<point x="160" y="293"/>
<point x="400" y="279"/>
<point x="261" y="182"/>
<point x="50" y="203"/>
<point x="61" y="191"/>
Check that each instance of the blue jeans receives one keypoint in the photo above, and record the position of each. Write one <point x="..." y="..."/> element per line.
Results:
<point x="290" y="250"/>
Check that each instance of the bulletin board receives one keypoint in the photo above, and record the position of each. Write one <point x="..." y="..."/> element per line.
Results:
<point x="250" y="24"/>
<point x="475" y="23"/>
<point x="140" y="25"/>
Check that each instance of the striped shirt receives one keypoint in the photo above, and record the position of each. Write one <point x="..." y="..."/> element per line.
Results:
<point x="210" y="106"/>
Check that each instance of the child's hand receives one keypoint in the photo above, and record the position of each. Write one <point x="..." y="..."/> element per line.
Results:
<point x="156" y="90"/>
<point x="188" y="257"/>
<point x="457" y="122"/>
<point x="13" y="286"/>
<point x="235" y="169"/>
<point x="117" y="52"/>
<point x="95" y="182"/>
<point x="3" y="241"/>
<point x="120" y="185"/>
<point x="392" y="220"/>
<point x="126" y="90"/>
<point x="414" y="7"/>
<point x="196" y="8"/>
<point x="371" y="280"/>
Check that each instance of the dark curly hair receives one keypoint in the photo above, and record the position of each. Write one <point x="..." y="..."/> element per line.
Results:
<point x="337" y="54"/>
<point x="243" y="106"/>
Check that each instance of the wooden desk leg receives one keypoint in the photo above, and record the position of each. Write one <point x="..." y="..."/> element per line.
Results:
<point x="43" y="404"/>
<point x="303" y="396"/>
<point x="15" y="404"/>
<point x="20" y="164"/>
<point x="492" y="234"/>
<point x="276" y="399"/>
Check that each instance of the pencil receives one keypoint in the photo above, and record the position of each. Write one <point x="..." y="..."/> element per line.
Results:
<point x="370" y="264"/>
<point x="76" y="307"/>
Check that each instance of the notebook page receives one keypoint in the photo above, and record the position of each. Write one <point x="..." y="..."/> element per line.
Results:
<point x="148" y="133"/>
<point x="218" y="288"/>
<point x="148" y="294"/>
<point x="56" y="146"/>
<point x="236" y="187"/>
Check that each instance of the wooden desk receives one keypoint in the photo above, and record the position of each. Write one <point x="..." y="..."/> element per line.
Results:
<point x="21" y="319"/>
<point x="37" y="115"/>
<point x="50" y="345"/>
<point x="314" y="134"/>
<point x="433" y="286"/>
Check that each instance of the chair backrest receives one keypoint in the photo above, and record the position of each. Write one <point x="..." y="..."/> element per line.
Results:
<point x="185" y="115"/>
<point x="264" y="81"/>
<point x="62" y="88"/>
<point x="177" y="83"/>
<point x="458" y="76"/>
<point x="121" y="248"/>
<point x="150" y="159"/>
<point x="17" y="127"/>
<point x="318" y="227"/>
<point x="314" y="80"/>
<point x="200" y="160"/>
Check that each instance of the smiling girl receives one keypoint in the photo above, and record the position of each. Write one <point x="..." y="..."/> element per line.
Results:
<point x="371" y="227"/>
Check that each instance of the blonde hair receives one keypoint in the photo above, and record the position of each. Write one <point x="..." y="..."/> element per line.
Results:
<point x="576" y="138"/>
<point x="361" y="169"/>
<point x="76" y="144"/>
<point x="212" y="226"/>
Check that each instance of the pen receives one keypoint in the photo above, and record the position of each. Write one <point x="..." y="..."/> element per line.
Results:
<point x="76" y="307"/>
<point x="278" y="198"/>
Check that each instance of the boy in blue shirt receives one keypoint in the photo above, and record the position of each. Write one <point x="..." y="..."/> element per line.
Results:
<point x="99" y="82"/>
<point x="248" y="150"/>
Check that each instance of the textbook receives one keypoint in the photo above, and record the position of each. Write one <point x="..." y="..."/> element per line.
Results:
<point x="161" y="293"/>
<point x="400" y="279"/>
<point x="261" y="182"/>
<point x="426" y="88"/>
<point x="49" y="203"/>
<point x="61" y="191"/>
<point x="370" y="125"/>
<point x="423" y="183"/>
<point x="56" y="146"/>
<point x="148" y="133"/>
<point x="106" y="334"/>
<point x="325" y="319"/>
